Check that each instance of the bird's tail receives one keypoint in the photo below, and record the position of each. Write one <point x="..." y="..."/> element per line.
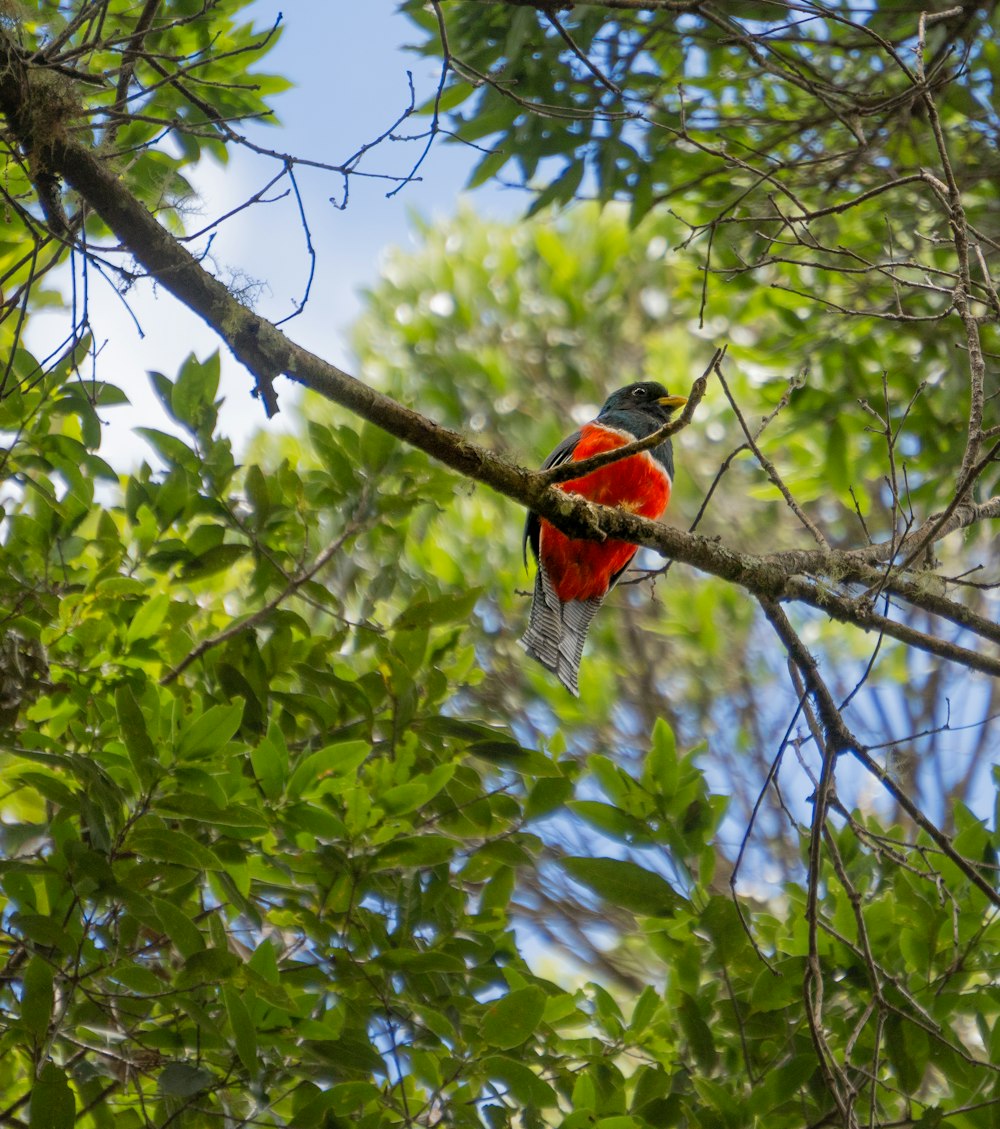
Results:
<point x="557" y="631"/>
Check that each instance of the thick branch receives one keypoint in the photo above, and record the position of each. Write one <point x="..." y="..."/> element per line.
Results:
<point x="267" y="353"/>
<point x="839" y="739"/>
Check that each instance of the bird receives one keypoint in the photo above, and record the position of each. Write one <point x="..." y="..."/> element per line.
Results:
<point x="573" y="576"/>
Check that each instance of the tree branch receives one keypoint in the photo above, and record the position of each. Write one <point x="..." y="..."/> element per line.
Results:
<point x="267" y="353"/>
<point x="838" y="739"/>
<point x="566" y="472"/>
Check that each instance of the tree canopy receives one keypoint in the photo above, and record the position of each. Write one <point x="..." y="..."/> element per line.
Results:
<point x="291" y="834"/>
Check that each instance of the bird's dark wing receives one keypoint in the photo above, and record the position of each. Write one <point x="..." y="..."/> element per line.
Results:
<point x="563" y="452"/>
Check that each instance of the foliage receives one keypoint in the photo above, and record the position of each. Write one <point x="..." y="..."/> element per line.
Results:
<point x="286" y="836"/>
<point x="275" y="883"/>
<point x="815" y="163"/>
<point x="515" y="330"/>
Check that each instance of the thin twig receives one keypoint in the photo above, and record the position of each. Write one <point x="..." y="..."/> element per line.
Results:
<point x="247" y="622"/>
<point x="568" y="471"/>
<point x="771" y="471"/>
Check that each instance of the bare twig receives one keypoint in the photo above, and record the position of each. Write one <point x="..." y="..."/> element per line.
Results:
<point x="261" y="614"/>
<point x="568" y="471"/>
<point x="770" y="470"/>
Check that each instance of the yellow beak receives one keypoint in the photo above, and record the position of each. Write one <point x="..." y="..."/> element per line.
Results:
<point x="673" y="401"/>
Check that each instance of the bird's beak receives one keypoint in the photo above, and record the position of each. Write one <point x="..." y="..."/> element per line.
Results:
<point x="673" y="401"/>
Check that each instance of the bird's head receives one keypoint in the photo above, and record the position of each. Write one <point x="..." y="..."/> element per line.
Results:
<point x="646" y="396"/>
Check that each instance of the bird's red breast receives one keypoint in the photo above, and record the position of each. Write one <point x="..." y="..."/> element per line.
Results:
<point x="581" y="569"/>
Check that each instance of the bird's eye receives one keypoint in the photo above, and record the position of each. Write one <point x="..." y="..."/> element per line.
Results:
<point x="638" y="393"/>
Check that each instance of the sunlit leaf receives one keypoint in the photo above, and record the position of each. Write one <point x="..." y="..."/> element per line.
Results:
<point x="626" y="884"/>
<point x="513" y="1018"/>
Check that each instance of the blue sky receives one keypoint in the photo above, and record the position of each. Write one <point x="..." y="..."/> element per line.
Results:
<point x="349" y="66"/>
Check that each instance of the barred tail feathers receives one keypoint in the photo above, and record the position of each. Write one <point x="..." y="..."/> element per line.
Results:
<point x="541" y="640"/>
<point x="557" y="631"/>
<point x="577" y="615"/>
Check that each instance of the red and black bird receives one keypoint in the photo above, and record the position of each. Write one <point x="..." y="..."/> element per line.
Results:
<point x="574" y="575"/>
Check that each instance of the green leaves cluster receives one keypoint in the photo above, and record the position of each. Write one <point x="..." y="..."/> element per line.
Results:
<point x="517" y="331"/>
<point x="802" y="170"/>
<point x="217" y="885"/>
<point x="277" y="878"/>
<point x="264" y="868"/>
<point x="287" y="838"/>
<point x="283" y="884"/>
<point x="654" y="106"/>
<point x="154" y="88"/>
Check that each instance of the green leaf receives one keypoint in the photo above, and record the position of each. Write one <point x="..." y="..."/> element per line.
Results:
<point x="498" y="891"/>
<point x="615" y="782"/>
<point x="563" y="1007"/>
<point x="210" y="731"/>
<point x="244" y="1032"/>
<point x="402" y="798"/>
<point x="698" y="1032"/>
<point x="38" y="998"/>
<point x="311" y="1112"/>
<point x="908" y="1047"/>
<point x="434" y="613"/>
<point x="181" y="930"/>
<point x="561" y="190"/>
<point x="237" y="818"/>
<point x="652" y="1082"/>
<point x="270" y="762"/>
<point x="162" y="386"/>
<point x="172" y="450"/>
<point x="182" y="1080"/>
<point x="487" y="168"/>
<point x="255" y="484"/>
<point x="195" y="389"/>
<point x="349" y="1097"/>
<point x="513" y="1018"/>
<point x="721" y="920"/>
<point x="611" y="820"/>
<point x="660" y="771"/>
<point x="341" y="759"/>
<point x="138" y="744"/>
<point x="316" y="820"/>
<point x="43" y="930"/>
<point x="625" y="884"/>
<point x="53" y="1105"/>
<point x="174" y="847"/>
<point x="217" y="559"/>
<point x="264" y="962"/>
<point x="606" y="1010"/>
<point x="208" y="967"/>
<point x="51" y="787"/>
<point x="642" y="200"/>
<point x="414" y="961"/>
<point x="644" y="1009"/>
<point x="148" y="620"/>
<point x="522" y="1082"/>
<point x="350" y="1052"/>
<point x="528" y="762"/>
<point x="417" y="850"/>
<point x="546" y="796"/>
<point x="783" y="1081"/>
